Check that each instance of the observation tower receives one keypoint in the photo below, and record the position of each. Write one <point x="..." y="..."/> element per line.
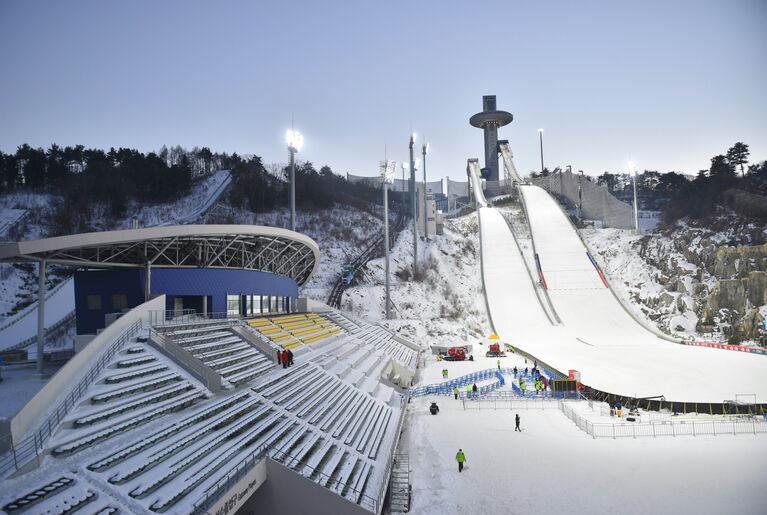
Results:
<point x="489" y="120"/>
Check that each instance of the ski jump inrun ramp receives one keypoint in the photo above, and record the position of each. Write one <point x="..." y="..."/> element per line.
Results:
<point x="613" y="351"/>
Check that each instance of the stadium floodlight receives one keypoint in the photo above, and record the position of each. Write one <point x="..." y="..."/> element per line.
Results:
<point x="388" y="168"/>
<point x="295" y="142"/>
<point x="413" y="137"/>
<point x="633" y="174"/>
<point x="417" y="163"/>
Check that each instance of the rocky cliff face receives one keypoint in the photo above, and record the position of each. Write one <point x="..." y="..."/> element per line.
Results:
<point x="692" y="278"/>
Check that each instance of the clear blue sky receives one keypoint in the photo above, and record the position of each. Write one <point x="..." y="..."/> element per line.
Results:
<point x="667" y="84"/>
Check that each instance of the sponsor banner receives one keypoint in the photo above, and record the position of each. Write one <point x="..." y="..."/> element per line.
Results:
<point x="738" y="348"/>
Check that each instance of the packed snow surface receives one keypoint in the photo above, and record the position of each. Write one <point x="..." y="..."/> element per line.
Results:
<point x="610" y="349"/>
<point x="552" y="465"/>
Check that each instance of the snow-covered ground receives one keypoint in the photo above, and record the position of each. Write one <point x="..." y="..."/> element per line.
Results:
<point x="341" y="233"/>
<point x="617" y="252"/>
<point x="19" y="284"/>
<point x="445" y="306"/>
<point x="552" y="465"/>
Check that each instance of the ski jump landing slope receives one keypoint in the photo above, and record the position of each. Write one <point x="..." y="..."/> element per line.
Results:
<point x="610" y="349"/>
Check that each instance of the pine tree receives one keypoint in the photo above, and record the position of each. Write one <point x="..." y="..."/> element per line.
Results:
<point x="738" y="155"/>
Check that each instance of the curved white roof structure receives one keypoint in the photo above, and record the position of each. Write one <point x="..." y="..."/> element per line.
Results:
<point x="250" y="247"/>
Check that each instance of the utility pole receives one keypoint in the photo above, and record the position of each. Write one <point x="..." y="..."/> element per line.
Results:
<point x="415" y="213"/>
<point x="388" y="169"/>
<point x="425" y="149"/>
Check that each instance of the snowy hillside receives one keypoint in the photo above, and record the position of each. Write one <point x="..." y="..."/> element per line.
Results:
<point x="18" y="282"/>
<point x="445" y="305"/>
<point x="669" y="276"/>
<point x="340" y="232"/>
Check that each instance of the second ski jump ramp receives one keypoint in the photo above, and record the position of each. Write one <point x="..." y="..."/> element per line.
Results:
<point x="613" y="352"/>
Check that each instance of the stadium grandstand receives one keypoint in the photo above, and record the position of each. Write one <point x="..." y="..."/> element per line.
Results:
<point x="176" y="400"/>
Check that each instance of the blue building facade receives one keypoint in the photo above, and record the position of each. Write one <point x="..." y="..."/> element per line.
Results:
<point x="233" y="291"/>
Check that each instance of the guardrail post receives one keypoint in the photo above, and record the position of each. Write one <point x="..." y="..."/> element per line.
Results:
<point x="653" y="429"/>
<point x="733" y="426"/>
<point x="613" y="431"/>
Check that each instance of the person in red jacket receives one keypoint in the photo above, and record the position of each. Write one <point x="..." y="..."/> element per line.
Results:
<point x="284" y="359"/>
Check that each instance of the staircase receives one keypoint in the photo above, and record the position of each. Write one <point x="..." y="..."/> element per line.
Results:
<point x="399" y="484"/>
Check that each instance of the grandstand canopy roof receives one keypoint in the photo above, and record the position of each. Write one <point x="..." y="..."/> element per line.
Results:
<point x="249" y="247"/>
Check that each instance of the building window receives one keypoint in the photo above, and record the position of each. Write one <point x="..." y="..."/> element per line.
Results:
<point x="93" y="302"/>
<point x="248" y="305"/>
<point x="232" y="305"/>
<point x="273" y="305"/>
<point x="119" y="301"/>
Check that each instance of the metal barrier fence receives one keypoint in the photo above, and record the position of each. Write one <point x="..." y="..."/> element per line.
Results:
<point x="446" y="388"/>
<point x="595" y="201"/>
<point x="510" y="403"/>
<point x="744" y="425"/>
<point x="30" y="448"/>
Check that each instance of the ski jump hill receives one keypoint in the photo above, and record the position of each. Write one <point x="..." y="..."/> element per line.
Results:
<point x="566" y="315"/>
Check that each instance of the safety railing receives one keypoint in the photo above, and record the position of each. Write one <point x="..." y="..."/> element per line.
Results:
<point x="218" y="489"/>
<point x="735" y="426"/>
<point x="509" y="403"/>
<point x="390" y="463"/>
<point x="446" y="388"/>
<point x="31" y="447"/>
<point x="48" y="332"/>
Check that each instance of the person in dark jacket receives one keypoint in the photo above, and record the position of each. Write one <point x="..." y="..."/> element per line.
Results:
<point x="433" y="409"/>
<point x="290" y="357"/>
<point x="516" y="427"/>
<point x="279" y="357"/>
<point x="474" y="390"/>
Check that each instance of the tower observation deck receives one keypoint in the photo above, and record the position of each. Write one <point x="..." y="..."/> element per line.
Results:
<point x="489" y="120"/>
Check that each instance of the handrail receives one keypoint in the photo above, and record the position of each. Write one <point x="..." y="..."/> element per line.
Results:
<point x="25" y="311"/>
<point x="48" y="331"/>
<point x="217" y="490"/>
<point x="31" y="447"/>
<point x="334" y="299"/>
<point x="390" y="463"/>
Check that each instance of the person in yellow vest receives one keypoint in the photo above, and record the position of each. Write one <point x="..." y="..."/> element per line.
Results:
<point x="468" y="391"/>
<point x="460" y="457"/>
<point x="455" y="392"/>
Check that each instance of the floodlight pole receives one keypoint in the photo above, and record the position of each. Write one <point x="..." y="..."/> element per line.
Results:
<point x="413" y="204"/>
<point x="292" y="188"/>
<point x="540" y="134"/>
<point x="425" y="215"/>
<point x="40" y="315"/>
<point x="636" y="207"/>
<point x="386" y="243"/>
<point x="295" y="141"/>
